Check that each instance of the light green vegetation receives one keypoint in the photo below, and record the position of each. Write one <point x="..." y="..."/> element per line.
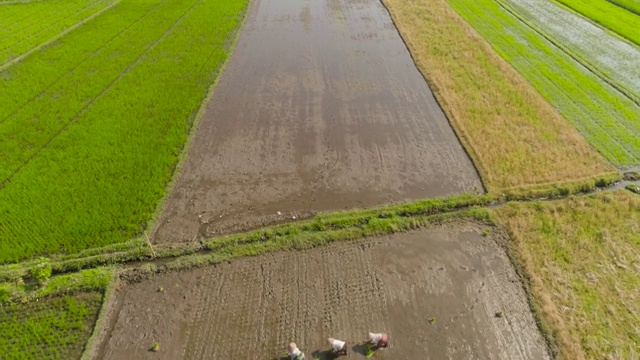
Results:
<point x="582" y="258"/>
<point x="96" y="279"/>
<point x="26" y="25"/>
<point x="55" y="328"/>
<point x="613" y="59"/>
<point x="609" y="120"/>
<point x="93" y="125"/>
<point x="613" y="17"/>
<point x="630" y="5"/>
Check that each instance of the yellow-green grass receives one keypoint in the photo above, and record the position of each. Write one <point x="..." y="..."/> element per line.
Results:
<point x="618" y="16"/>
<point x="609" y="120"/>
<point x="89" y="147"/>
<point x="26" y="25"/>
<point x="581" y="257"/>
<point x="53" y="328"/>
<point x="515" y="138"/>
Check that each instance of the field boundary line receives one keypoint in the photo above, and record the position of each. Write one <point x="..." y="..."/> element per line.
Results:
<point x="57" y="37"/>
<point x="103" y="315"/>
<point x="152" y="222"/>
<point x="93" y="53"/>
<point x="98" y="97"/>
<point x="29" y="21"/>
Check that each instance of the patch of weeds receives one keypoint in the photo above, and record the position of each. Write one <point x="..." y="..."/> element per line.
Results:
<point x="633" y="188"/>
<point x="155" y="347"/>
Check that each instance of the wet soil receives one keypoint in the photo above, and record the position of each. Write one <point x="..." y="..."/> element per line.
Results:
<point x="320" y="108"/>
<point x="436" y="292"/>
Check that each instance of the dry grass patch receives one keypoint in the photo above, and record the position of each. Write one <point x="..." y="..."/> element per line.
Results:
<point x="515" y="138"/>
<point x="582" y="257"/>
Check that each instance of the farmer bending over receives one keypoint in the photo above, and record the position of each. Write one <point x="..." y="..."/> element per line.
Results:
<point x="294" y="352"/>
<point x="378" y="340"/>
<point x="338" y="347"/>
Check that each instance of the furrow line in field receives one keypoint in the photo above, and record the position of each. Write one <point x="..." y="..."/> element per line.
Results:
<point x="58" y="17"/>
<point x="88" y="8"/>
<point x="30" y="19"/>
<point x="587" y="61"/>
<point x="83" y="61"/>
<point x="93" y="101"/>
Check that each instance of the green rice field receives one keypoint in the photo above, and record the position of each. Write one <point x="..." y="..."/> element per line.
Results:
<point x="92" y="125"/>
<point x="24" y="26"/>
<point x="55" y="328"/>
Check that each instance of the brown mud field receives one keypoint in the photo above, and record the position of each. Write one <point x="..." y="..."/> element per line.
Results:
<point x="320" y="108"/>
<point x="436" y="292"/>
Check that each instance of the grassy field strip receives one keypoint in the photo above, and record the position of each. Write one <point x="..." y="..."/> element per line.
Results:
<point x="610" y="16"/>
<point x="99" y="182"/>
<point x="26" y="81"/>
<point x="17" y="41"/>
<point x="609" y="120"/>
<point x="582" y="257"/>
<point x="62" y="104"/>
<point x="515" y="138"/>
<point x="605" y="54"/>
<point x="55" y="328"/>
<point x="630" y="5"/>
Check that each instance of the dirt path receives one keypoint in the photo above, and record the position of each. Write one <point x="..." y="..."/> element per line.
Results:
<point x="320" y="108"/>
<point x="251" y="308"/>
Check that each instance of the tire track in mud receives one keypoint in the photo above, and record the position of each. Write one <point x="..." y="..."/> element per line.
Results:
<point x="253" y="307"/>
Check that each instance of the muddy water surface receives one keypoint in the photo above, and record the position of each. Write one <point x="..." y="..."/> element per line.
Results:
<point x="320" y="108"/>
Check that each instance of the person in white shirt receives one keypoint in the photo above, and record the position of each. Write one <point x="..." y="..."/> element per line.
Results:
<point x="378" y="340"/>
<point x="338" y="347"/>
<point x="294" y="352"/>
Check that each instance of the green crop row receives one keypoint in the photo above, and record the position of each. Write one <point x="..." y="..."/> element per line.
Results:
<point x="609" y="120"/>
<point x="630" y="5"/>
<point x="62" y="103"/>
<point x="611" y="16"/>
<point x="608" y="56"/>
<point x="21" y="83"/>
<point x="25" y="26"/>
<point x="97" y="178"/>
<point x="54" y="328"/>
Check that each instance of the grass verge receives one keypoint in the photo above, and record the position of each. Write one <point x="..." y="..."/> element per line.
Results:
<point x="581" y="257"/>
<point x="515" y="138"/>
<point x="315" y="234"/>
